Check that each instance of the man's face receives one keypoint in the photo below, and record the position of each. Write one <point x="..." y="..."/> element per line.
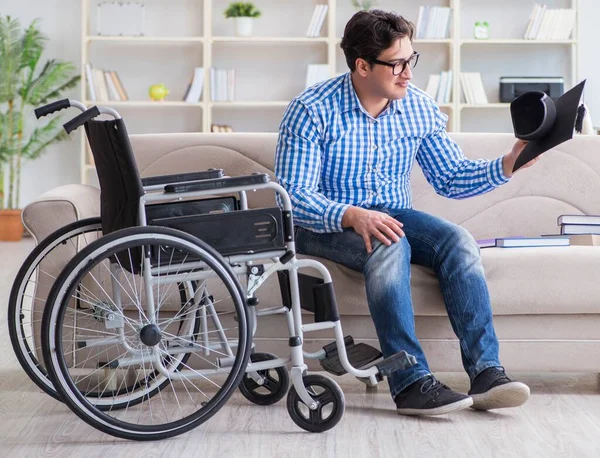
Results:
<point x="381" y="77"/>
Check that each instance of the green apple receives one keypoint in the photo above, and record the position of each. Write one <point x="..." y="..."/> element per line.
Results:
<point x="158" y="92"/>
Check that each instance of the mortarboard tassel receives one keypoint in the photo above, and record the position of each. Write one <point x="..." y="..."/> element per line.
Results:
<point x="581" y="111"/>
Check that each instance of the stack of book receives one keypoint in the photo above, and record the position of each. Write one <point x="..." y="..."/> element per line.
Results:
<point x="550" y="24"/>
<point x="103" y="85"/>
<point x="578" y="224"/>
<point x="472" y="88"/>
<point x="317" y="20"/>
<point x="222" y="85"/>
<point x="220" y="128"/>
<point x="439" y="87"/>
<point x="433" y="22"/>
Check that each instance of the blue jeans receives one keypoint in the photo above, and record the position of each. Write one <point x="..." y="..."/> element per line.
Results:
<point x="451" y="252"/>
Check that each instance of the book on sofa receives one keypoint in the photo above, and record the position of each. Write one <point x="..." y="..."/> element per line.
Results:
<point x="578" y="239"/>
<point x="520" y="242"/>
<point x="516" y="242"/>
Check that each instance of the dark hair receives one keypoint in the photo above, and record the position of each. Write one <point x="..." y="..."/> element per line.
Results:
<point x="369" y="33"/>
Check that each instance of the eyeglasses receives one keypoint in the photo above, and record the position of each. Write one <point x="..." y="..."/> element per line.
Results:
<point x="400" y="66"/>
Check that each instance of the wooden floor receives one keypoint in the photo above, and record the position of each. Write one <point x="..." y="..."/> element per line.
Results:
<point x="562" y="419"/>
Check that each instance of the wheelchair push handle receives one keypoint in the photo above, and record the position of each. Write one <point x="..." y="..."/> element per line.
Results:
<point x="57" y="106"/>
<point x="81" y="119"/>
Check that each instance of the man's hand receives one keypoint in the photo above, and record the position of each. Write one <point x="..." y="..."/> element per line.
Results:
<point x="508" y="161"/>
<point x="369" y="223"/>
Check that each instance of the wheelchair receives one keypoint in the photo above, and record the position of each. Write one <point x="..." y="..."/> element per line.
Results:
<point x="147" y="323"/>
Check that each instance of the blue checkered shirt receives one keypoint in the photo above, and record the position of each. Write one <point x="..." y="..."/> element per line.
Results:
<point x="332" y="154"/>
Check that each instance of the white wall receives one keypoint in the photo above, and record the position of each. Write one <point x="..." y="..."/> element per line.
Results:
<point x="61" y="22"/>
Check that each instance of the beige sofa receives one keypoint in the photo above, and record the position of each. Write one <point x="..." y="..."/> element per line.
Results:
<point x="546" y="301"/>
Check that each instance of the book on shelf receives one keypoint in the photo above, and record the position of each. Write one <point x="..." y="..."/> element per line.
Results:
<point x="439" y="87"/>
<point x="315" y="73"/>
<point x="550" y="24"/>
<point x="317" y="20"/>
<point x="578" y="239"/>
<point x="104" y="85"/>
<point x="433" y="22"/>
<point x="220" y="128"/>
<point x="222" y="84"/>
<point x="193" y="92"/>
<point x="473" y="91"/>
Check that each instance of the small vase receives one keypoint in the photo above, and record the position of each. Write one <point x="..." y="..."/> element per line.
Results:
<point x="11" y="227"/>
<point x="243" y="26"/>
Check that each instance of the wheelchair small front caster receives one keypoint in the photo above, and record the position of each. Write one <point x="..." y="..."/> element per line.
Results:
<point x="272" y="390"/>
<point x="330" y="400"/>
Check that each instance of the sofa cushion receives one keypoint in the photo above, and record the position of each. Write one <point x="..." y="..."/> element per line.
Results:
<point x="550" y="280"/>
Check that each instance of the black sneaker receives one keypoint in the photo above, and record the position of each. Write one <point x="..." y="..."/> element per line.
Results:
<point x="429" y="396"/>
<point x="492" y="389"/>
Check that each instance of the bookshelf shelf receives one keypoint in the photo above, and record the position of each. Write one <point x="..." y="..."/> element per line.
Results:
<point x="282" y="40"/>
<point x="149" y="40"/>
<point x="483" y="105"/>
<point x="143" y="104"/>
<point x="516" y="42"/>
<point x="249" y="104"/>
<point x="208" y="44"/>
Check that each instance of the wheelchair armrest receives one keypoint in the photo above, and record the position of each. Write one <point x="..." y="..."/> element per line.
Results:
<point x="218" y="183"/>
<point x="180" y="177"/>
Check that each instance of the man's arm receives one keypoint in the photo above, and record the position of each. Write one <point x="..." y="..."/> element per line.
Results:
<point x="448" y="170"/>
<point x="298" y="169"/>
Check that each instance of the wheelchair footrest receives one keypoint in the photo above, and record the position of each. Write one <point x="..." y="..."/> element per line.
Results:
<point x="359" y="356"/>
<point x="399" y="361"/>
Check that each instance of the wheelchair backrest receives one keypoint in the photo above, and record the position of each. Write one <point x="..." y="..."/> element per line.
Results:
<point x="118" y="175"/>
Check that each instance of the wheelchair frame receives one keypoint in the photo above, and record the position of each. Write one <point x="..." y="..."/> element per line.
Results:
<point x="272" y="261"/>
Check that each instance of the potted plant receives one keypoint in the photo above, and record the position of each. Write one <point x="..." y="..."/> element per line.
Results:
<point x="244" y="14"/>
<point x="24" y="85"/>
<point x="363" y="4"/>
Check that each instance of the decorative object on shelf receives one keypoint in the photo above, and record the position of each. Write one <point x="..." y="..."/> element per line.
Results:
<point x="363" y="4"/>
<point x="482" y="30"/>
<point x="244" y="14"/>
<point x="25" y="83"/>
<point x="158" y="92"/>
<point x="120" y="18"/>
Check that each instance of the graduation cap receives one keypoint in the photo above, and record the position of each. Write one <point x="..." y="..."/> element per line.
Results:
<point x="545" y="123"/>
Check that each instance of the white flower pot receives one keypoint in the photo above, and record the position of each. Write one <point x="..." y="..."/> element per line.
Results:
<point x="243" y="26"/>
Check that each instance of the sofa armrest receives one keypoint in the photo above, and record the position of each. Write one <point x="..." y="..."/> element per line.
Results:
<point x="59" y="207"/>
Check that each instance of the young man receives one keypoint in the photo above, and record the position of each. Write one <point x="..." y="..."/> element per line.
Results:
<point x="345" y="153"/>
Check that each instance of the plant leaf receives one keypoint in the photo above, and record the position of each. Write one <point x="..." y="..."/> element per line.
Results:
<point x="10" y="57"/>
<point x="42" y="137"/>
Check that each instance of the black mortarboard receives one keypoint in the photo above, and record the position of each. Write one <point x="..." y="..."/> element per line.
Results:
<point x="544" y="123"/>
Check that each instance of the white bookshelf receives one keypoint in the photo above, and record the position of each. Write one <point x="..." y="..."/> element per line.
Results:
<point x="207" y="39"/>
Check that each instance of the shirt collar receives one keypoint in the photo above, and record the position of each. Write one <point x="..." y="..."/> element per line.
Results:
<point x="350" y="100"/>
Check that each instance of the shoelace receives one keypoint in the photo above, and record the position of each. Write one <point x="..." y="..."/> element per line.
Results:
<point x="498" y="373"/>
<point x="431" y="384"/>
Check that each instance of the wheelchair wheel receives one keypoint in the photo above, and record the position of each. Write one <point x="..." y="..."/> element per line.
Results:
<point x="330" y="408"/>
<point x="274" y="386"/>
<point x="111" y="329"/>
<point x="30" y="291"/>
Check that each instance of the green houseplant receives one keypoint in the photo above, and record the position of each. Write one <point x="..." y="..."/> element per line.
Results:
<point x="244" y="14"/>
<point x="25" y="83"/>
<point x="363" y="4"/>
